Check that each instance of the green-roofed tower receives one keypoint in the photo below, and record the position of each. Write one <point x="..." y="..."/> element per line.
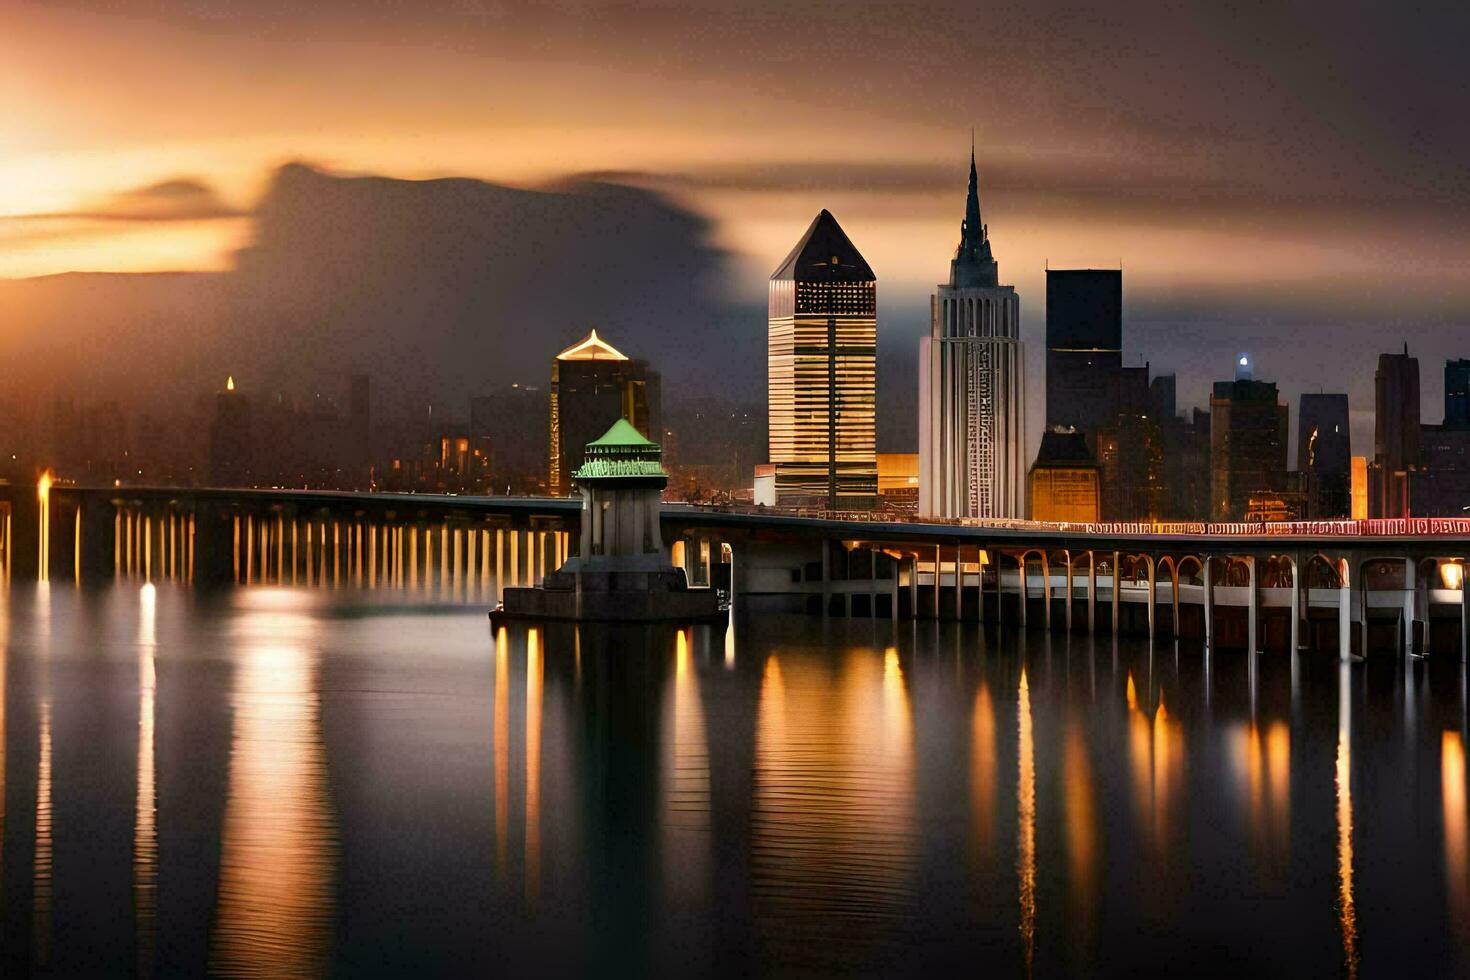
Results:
<point x="621" y="570"/>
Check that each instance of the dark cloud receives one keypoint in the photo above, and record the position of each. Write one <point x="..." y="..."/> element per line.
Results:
<point x="1131" y="192"/>
<point x="440" y="289"/>
<point x="178" y="199"/>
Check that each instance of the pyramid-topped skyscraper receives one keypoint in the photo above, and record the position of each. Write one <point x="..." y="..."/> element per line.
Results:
<point x="972" y="375"/>
<point x="822" y="389"/>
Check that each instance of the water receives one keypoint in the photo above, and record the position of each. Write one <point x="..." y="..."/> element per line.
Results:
<point x="277" y="782"/>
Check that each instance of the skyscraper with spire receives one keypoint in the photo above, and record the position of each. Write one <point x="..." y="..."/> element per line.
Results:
<point x="972" y="378"/>
<point x="822" y="378"/>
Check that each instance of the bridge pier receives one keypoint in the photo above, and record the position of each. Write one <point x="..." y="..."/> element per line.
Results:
<point x="97" y="551"/>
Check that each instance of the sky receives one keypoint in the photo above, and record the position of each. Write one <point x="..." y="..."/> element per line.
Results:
<point x="1277" y="167"/>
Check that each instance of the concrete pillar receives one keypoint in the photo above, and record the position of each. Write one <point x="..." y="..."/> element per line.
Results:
<point x="959" y="583"/>
<point x="1000" y="591"/>
<point x="1068" y="611"/>
<point x="1252" y="604"/>
<point x="1209" y="592"/>
<point x="893" y="592"/>
<point x="980" y="582"/>
<point x="1152" y="594"/>
<point x="214" y="546"/>
<point x="1092" y="593"/>
<point x="938" y="577"/>
<point x="914" y="587"/>
<point x="1117" y="592"/>
<point x="1410" y="602"/>
<point x="826" y="575"/>
<point x="98" y="547"/>
<point x="1464" y="613"/>
<point x="1025" y="592"/>
<point x="1363" y="612"/>
<point x="1046" y="589"/>
<point x="1174" y="597"/>
<point x="1344" y="612"/>
<point x="1296" y="604"/>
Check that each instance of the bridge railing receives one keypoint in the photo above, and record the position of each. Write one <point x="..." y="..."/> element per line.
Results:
<point x="1376" y="527"/>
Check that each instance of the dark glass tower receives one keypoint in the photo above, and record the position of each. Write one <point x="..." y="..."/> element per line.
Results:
<point x="1396" y="434"/>
<point x="1457" y="394"/>
<point x="1324" y="456"/>
<point x="1084" y="348"/>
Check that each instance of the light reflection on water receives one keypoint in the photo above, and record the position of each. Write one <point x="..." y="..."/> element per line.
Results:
<point x="274" y="913"/>
<point x="398" y="784"/>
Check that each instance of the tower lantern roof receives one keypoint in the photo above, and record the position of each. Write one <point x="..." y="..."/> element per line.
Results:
<point x="825" y="254"/>
<point x="622" y="452"/>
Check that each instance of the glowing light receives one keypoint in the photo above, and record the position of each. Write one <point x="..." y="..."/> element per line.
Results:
<point x="1452" y="574"/>
<point x="43" y="494"/>
<point x="1081" y="823"/>
<point x="833" y="791"/>
<point x="230" y="383"/>
<point x="278" y="846"/>
<point x="982" y="767"/>
<point x="1347" y="916"/>
<point x="1244" y="360"/>
<point x="533" y="764"/>
<point x="685" y="820"/>
<point x="1026" y="837"/>
<point x="592" y="348"/>
<point x="1452" y="783"/>
<point x="41" y="889"/>
<point x="145" y="818"/>
<point x="501" y="722"/>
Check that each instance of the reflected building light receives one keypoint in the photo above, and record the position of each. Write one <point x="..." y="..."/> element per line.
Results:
<point x="534" y="680"/>
<point x="145" y="820"/>
<point x="1156" y="755"/>
<point x="1168" y="766"/>
<point x="1452" y="789"/>
<point x="834" y="797"/>
<point x="982" y="769"/>
<point x="278" y="843"/>
<point x="502" y="748"/>
<point x="1278" y="769"/>
<point x="41" y="864"/>
<point x="1026" y="816"/>
<point x="730" y="636"/>
<point x="43" y="500"/>
<point x="1081" y="826"/>
<point x="1140" y="758"/>
<point x="1347" y="916"/>
<point x="4" y="670"/>
<point x="686" y="781"/>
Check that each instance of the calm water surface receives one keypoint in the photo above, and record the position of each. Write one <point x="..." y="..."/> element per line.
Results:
<point x="270" y="782"/>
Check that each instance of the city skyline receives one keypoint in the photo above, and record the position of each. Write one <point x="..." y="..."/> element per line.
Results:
<point x="1263" y="225"/>
<point x="673" y="488"/>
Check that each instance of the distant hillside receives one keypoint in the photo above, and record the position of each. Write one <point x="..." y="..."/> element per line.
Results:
<point x="437" y="288"/>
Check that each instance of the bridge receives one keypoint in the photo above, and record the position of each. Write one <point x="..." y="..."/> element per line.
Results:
<point x="1356" y="587"/>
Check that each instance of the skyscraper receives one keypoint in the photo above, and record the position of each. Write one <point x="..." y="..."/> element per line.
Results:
<point x="1129" y="449"/>
<point x="593" y="384"/>
<point x="1084" y="348"/>
<point x="972" y="377"/>
<point x="822" y="380"/>
<point x="231" y="449"/>
<point x="1248" y="434"/>
<point x="1396" y="434"/>
<point x="359" y="430"/>
<point x="1324" y="456"/>
<point x="1457" y="394"/>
